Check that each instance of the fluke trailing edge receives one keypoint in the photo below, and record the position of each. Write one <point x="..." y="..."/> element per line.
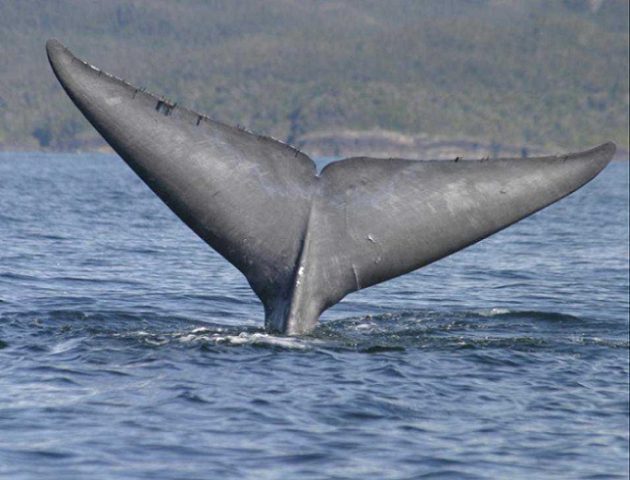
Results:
<point x="305" y="240"/>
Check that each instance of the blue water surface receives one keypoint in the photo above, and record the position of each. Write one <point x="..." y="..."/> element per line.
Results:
<point x="129" y="349"/>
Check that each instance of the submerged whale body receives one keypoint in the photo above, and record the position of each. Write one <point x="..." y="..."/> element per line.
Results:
<point x="305" y="240"/>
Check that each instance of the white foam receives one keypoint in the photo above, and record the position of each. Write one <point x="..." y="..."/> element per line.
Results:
<point x="217" y="336"/>
<point x="494" y="312"/>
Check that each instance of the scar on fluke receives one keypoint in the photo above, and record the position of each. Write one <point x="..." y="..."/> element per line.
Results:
<point x="312" y="237"/>
<point x="165" y="107"/>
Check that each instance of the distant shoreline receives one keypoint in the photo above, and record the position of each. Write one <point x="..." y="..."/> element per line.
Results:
<point x="377" y="143"/>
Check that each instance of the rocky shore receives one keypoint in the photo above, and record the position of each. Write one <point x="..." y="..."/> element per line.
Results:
<point x="384" y="144"/>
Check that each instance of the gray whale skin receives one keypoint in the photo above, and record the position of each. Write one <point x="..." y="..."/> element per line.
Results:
<point x="304" y="239"/>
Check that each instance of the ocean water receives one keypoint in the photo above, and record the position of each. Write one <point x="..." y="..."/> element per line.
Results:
<point x="129" y="349"/>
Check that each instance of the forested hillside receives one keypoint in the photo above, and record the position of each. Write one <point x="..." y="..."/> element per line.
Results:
<point x="548" y="73"/>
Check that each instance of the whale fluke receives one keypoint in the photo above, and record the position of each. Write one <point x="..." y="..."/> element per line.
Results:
<point x="305" y="240"/>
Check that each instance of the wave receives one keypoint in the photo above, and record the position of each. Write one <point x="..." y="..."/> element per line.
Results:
<point x="529" y="314"/>
<point x="63" y="331"/>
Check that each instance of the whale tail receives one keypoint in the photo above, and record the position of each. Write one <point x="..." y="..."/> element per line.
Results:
<point x="305" y="240"/>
